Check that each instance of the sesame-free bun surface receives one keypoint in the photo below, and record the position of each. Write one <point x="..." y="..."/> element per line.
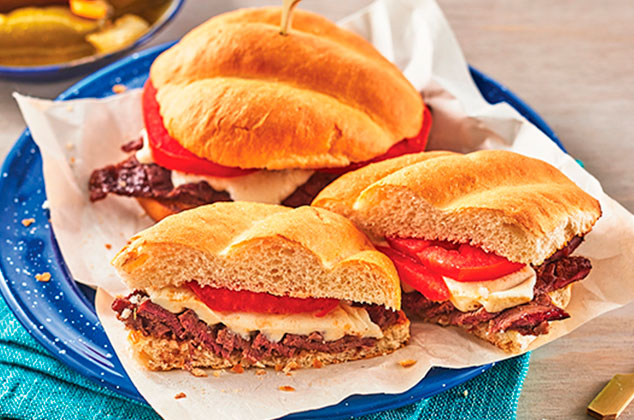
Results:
<point x="521" y="208"/>
<point x="303" y="252"/>
<point x="236" y="92"/>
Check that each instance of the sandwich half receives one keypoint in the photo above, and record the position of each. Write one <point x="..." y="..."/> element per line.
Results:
<point x="236" y="285"/>
<point x="236" y="111"/>
<point x="481" y="241"/>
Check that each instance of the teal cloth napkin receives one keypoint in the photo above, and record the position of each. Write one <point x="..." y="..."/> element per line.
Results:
<point x="35" y="386"/>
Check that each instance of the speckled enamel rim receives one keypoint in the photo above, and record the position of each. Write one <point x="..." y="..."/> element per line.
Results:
<point x="60" y="313"/>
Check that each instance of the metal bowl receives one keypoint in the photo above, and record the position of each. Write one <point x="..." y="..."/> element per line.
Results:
<point x="75" y="67"/>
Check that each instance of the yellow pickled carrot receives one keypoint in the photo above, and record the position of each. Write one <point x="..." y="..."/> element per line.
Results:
<point x="90" y="9"/>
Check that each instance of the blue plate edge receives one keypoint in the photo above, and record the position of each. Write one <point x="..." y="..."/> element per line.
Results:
<point x="21" y="143"/>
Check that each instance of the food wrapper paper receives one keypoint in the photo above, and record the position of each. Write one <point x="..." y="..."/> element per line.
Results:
<point x="78" y="136"/>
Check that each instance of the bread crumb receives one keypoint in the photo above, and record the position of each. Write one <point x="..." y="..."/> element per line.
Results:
<point x="290" y="366"/>
<point x="70" y="146"/>
<point x="108" y="246"/>
<point x="216" y="373"/>
<point x="199" y="373"/>
<point x="317" y="364"/>
<point x="465" y="393"/>
<point x="289" y="373"/>
<point x="237" y="369"/>
<point x="28" y="222"/>
<point x="407" y="363"/>
<point x="180" y="395"/>
<point x="46" y="276"/>
<point x="260" y="372"/>
<point x="119" y="88"/>
<point x="72" y="160"/>
<point x="286" y="388"/>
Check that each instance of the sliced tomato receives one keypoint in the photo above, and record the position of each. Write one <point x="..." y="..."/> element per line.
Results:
<point x="467" y="263"/>
<point x="412" y="246"/>
<point x="416" y="275"/>
<point x="225" y="300"/>
<point x="169" y="153"/>
<point x="409" y="246"/>
<point x="411" y="145"/>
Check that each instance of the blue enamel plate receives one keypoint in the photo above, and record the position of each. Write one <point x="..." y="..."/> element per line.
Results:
<point x="60" y="314"/>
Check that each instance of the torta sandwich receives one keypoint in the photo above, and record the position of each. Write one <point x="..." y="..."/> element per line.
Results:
<point x="237" y="111"/>
<point x="236" y="285"/>
<point x="481" y="241"/>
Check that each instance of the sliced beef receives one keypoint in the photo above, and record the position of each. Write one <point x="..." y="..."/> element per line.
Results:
<point x="528" y="316"/>
<point x="134" y="179"/>
<point x="133" y="146"/>
<point x="558" y="274"/>
<point x="531" y="318"/>
<point x="465" y="319"/>
<point x="383" y="317"/>
<point x="139" y="313"/>
<point x="567" y="250"/>
<point x="430" y="309"/>
<point x="305" y="193"/>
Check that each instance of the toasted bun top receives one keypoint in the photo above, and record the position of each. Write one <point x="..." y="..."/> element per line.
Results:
<point x="236" y="92"/>
<point x="521" y="208"/>
<point x="303" y="252"/>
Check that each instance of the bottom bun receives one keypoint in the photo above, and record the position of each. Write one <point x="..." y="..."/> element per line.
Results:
<point x="160" y="209"/>
<point x="167" y="354"/>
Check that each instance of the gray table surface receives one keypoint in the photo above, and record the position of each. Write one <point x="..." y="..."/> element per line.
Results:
<point x="573" y="62"/>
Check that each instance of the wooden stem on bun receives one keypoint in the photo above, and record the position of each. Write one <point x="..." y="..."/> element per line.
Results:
<point x="287" y="14"/>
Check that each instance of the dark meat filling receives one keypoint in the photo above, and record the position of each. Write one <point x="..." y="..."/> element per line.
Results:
<point x="133" y="179"/>
<point x="531" y="318"/>
<point x="153" y="320"/>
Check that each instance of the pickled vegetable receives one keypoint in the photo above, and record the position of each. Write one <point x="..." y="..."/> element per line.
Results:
<point x="90" y="9"/>
<point x="36" y="36"/>
<point x="122" y="33"/>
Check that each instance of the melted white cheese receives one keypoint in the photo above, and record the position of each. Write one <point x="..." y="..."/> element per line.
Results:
<point x="144" y="155"/>
<point x="342" y="320"/>
<point x="263" y="186"/>
<point x="494" y="295"/>
<point x="270" y="187"/>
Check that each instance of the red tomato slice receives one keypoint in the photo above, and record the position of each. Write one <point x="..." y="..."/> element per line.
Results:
<point x="412" y="246"/>
<point x="414" y="274"/>
<point x="467" y="263"/>
<point x="168" y="153"/>
<point x="409" y="246"/>
<point x="411" y="145"/>
<point x="226" y="300"/>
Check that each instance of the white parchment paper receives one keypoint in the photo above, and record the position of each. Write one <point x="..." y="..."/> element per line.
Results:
<point x="77" y="136"/>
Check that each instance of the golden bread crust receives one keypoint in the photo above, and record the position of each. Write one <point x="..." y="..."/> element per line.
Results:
<point x="519" y="207"/>
<point x="236" y="92"/>
<point x="303" y="252"/>
<point x="159" y="209"/>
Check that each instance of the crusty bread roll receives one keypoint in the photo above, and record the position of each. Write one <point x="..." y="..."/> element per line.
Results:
<point x="303" y="252"/>
<point x="521" y="208"/>
<point x="236" y="92"/>
<point x="160" y="209"/>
